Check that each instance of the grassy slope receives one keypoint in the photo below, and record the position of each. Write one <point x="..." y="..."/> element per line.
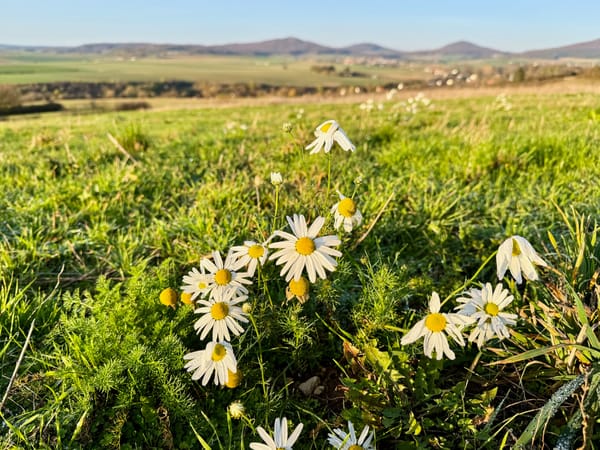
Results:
<point x="74" y="210"/>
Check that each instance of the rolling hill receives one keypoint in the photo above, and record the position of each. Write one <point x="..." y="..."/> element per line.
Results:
<point x="298" y="47"/>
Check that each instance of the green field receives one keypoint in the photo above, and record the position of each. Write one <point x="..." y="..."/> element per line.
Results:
<point x="91" y="234"/>
<point x="36" y="68"/>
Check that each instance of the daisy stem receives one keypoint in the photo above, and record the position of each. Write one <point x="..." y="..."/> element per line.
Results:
<point x="470" y="280"/>
<point x="274" y="227"/>
<point x="262" y="281"/>
<point x="260" y="360"/>
<point x="328" y="175"/>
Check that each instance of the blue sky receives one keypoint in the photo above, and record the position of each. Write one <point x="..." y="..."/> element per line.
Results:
<point x="512" y="25"/>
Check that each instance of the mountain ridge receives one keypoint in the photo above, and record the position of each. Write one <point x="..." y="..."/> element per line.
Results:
<point x="299" y="47"/>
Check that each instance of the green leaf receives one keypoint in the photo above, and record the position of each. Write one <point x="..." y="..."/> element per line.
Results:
<point x="548" y="410"/>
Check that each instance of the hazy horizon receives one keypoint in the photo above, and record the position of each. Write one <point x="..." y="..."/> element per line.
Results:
<point x="510" y="26"/>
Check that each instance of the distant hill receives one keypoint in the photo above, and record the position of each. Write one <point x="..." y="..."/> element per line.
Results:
<point x="298" y="47"/>
<point x="589" y="49"/>
<point x="286" y="46"/>
<point x="460" y="49"/>
<point x="373" y="50"/>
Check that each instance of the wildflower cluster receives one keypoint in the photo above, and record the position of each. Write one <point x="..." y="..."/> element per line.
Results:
<point x="414" y="104"/>
<point x="482" y="308"/>
<point x="220" y="286"/>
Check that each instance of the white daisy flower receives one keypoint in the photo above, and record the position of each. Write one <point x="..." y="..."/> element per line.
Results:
<point x="326" y="133"/>
<point x="346" y="213"/>
<point x="217" y="357"/>
<point x="517" y="255"/>
<point x="303" y="249"/>
<point x="280" y="440"/>
<point x="485" y="306"/>
<point x="434" y="328"/>
<point x="221" y="315"/>
<point x="249" y="255"/>
<point x="348" y="441"/>
<point x="197" y="282"/>
<point x="224" y="275"/>
<point x="276" y="178"/>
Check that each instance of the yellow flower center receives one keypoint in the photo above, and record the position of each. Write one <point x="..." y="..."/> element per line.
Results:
<point x="356" y="447"/>
<point x="435" y="322"/>
<point x="516" y="249"/>
<point x="218" y="353"/>
<point x="492" y="309"/>
<point x="222" y="277"/>
<point x="256" y="251"/>
<point x="168" y="297"/>
<point x="202" y="285"/>
<point x="219" y="310"/>
<point x="233" y="378"/>
<point x="186" y="298"/>
<point x="305" y="246"/>
<point x="347" y="207"/>
<point x="299" y="288"/>
<point x="326" y="127"/>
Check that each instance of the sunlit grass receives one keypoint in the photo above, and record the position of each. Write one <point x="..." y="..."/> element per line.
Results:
<point x="91" y="235"/>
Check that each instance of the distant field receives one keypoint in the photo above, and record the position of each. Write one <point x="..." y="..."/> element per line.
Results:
<point x="16" y="68"/>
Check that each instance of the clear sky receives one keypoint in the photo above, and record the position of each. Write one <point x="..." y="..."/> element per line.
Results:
<point x="512" y="25"/>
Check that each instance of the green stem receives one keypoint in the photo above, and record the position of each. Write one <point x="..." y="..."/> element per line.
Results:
<point x="470" y="280"/>
<point x="274" y="226"/>
<point x="328" y="175"/>
<point x="260" y="360"/>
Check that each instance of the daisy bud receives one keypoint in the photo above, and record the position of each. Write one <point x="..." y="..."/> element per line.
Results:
<point x="276" y="178"/>
<point x="236" y="409"/>
<point x="168" y="297"/>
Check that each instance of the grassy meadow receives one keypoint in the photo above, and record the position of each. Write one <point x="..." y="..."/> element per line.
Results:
<point x="91" y="234"/>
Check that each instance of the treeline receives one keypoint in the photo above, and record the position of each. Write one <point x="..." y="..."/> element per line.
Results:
<point x="57" y="91"/>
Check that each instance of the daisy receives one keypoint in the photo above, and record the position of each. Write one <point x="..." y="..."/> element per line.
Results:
<point x="249" y="255"/>
<point x="298" y="289"/>
<point x="303" y="249"/>
<point x="224" y="275"/>
<point x="346" y="441"/>
<point x="276" y="178"/>
<point x="217" y="357"/>
<point x="280" y="441"/>
<point x="485" y="306"/>
<point x="221" y="314"/>
<point x="196" y="282"/>
<point x="433" y="328"/>
<point x="346" y="213"/>
<point x="517" y="255"/>
<point x="326" y="133"/>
